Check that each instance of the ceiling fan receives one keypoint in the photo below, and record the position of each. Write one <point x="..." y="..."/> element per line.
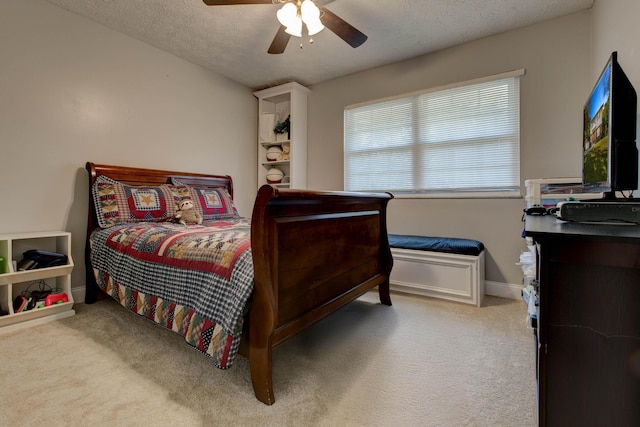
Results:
<point x="291" y="17"/>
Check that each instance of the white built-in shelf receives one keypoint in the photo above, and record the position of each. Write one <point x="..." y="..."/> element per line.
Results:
<point x="275" y="104"/>
<point x="14" y="283"/>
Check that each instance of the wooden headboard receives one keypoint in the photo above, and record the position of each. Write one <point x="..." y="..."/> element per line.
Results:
<point x="138" y="176"/>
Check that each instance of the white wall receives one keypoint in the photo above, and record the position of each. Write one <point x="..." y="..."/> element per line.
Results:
<point x="615" y="28"/>
<point x="73" y="91"/>
<point x="556" y="57"/>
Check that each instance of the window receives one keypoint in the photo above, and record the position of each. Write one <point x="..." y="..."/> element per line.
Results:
<point x="461" y="140"/>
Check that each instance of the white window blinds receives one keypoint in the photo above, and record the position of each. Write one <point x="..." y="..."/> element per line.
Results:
<point x="454" y="140"/>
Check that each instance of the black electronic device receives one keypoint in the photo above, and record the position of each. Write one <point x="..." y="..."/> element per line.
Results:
<point x="609" y="153"/>
<point x="27" y="264"/>
<point x="536" y="210"/>
<point x="599" y="211"/>
<point x="36" y="258"/>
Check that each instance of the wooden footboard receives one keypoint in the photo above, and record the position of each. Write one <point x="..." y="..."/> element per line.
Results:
<point x="313" y="252"/>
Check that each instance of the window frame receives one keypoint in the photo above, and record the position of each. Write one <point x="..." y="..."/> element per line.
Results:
<point x="510" y="191"/>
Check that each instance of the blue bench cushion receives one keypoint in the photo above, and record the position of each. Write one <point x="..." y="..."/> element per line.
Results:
<point x="452" y="245"/>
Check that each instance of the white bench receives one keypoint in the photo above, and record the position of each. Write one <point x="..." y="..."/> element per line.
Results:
<point x="440" y="267"/>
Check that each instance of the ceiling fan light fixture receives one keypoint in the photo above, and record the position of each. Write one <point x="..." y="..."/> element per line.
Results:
<point x="311" y="17"/>
<point x="288" y="14"/>
<point x="314" y="27"/>
<point x="295" y="29"/>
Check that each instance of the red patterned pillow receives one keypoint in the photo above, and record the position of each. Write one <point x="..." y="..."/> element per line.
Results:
<point x="118" y="203"/>
<point x="212" y="202"/>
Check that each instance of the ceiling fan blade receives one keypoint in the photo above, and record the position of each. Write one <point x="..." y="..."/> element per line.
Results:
<point x="280" y="41"/>
<point x="233" y="2"/>
<point x="341" y="28"/>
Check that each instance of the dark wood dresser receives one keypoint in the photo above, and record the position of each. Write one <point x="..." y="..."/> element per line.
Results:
<point x="588" y="322"/>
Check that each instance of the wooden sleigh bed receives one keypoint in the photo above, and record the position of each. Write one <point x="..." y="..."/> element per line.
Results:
<point x="312" y="253"/>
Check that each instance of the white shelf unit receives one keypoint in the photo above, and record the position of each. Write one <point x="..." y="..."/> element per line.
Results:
<point x="13" y="282"/>
<point x="276" y="104"/>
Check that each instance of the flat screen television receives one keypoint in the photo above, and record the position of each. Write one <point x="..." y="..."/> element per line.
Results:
<point x="609" y="153"/>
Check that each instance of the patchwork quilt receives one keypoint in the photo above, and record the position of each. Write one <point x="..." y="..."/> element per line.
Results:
<point x="195" y="280"/>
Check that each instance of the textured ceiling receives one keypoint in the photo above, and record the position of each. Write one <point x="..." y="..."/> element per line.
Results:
<point x="233" y="40"/>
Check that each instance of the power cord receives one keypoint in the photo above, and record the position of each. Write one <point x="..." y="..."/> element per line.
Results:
<point x="42" y="291"/>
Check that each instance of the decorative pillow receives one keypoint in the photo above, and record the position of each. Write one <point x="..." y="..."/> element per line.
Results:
<point x="118" y="203"/>
<point x="212" y="202"/>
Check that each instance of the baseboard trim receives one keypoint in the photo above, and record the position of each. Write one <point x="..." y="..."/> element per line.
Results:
<point x="78" y="293"/>
<point x="504" y="290"/>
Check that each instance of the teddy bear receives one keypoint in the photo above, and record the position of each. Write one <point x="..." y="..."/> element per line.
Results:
<point x="284" y="155"/>
<point x="187" y="214"/>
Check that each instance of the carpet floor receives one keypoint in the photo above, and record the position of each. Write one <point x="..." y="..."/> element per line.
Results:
<point x="420" y="362"/>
